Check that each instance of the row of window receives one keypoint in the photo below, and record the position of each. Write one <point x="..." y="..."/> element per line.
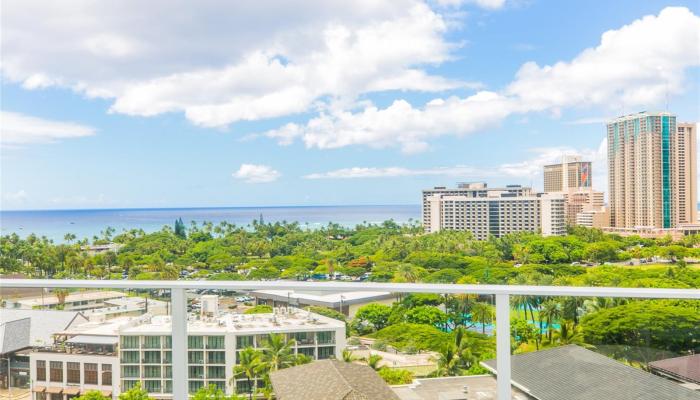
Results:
<point x="158" y="342"/>
<point x="90" y="373"/>
<point x="157" y="372"/>
<point x="165" y="357"/>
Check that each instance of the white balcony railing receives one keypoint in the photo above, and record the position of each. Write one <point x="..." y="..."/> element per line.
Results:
<point x="502" y="292"/>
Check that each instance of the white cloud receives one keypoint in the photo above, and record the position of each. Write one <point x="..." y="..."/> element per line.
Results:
<point x="487" y="4"/>
<point x="20" y="129"/>
<point x="226" y="61"/>
<point x="391" y="172"/>
<point x="400" y="124"/>
<point x="252" y="173"/>
<point x="633" y="66"/>
<point x="19" y="196"/>
<point x="526" y="170"/>
<point x="589" y="121"/>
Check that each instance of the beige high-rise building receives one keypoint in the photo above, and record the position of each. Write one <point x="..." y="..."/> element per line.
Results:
<point x="684" y="184"/>
<point x="571" y="173"/>
<point x="652" y="171"/>
<point x="572" y="178"/>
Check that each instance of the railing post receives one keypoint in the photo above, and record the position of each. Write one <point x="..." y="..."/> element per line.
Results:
<point x="178" y="298"/>
<point x="503" y="346"/>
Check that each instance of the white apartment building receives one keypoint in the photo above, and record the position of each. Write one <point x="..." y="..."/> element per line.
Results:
<point x="213" y="344"/>
<point x="494" y="212"/>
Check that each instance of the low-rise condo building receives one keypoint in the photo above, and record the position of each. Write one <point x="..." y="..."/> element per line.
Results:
<point x="493" y="212"/>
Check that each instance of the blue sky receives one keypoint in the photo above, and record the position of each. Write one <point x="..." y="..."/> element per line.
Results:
<point x="261" y="104"/>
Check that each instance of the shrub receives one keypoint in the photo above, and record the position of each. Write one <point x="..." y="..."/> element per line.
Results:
<point x="396" y="376"/>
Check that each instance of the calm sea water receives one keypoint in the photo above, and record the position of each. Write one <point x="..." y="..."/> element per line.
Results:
<point x="54" y="224"/>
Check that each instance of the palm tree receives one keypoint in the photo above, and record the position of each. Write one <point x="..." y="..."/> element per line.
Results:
<point x="448" y="361"/>
<point x="551" y="312"/>
<point x="482" y="313"/>
<point x="278" y="353"/>
<point x="250" y="366"/>
<point x="569" y="333"/>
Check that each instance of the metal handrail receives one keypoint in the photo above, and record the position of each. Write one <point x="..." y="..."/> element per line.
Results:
<point x="502" y="293"/>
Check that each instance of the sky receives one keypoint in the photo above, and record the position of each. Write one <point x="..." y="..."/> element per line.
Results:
<point x="212" y="103"/>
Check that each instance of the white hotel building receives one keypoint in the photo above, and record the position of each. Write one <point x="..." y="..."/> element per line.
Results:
<point x="213" y="344"/>
<point x="493" y="212"/>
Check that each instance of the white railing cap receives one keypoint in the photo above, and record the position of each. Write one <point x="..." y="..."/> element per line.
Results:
<point x="578" y="291"/>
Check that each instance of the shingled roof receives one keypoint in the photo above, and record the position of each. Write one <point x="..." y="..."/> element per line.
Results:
<point x="330" y="380"/>
<point x="685" y="368"/>
<point x="574" y="373"/>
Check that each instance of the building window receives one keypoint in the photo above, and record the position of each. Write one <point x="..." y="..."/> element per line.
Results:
<point x="325" y="337"/>
<point x="326" y="352"/>
<point x="195" y="386"/>
<point x="151" y="342"/>
<point x="215" y="342"/>
<point x="151" y="357"/>
<point x="90" y="371"/>
<point x="130" y="342"/>
<point x="243" y="386"/>
<point x="152" y="386"/>
<point x="167" y="357"/>
<point x="41" y="370"/>
<point x="195" y="342"/>
<point x="131" y="371"/>
<point x="107" y="374"/>
<point x="195" y="357"/>
<point x="168" y="387"/>
<point x="216" y="357"/>
<point x="221" y="385"/>
<point x="244" y="341"/>
<point x="151" y="371"/>
<point x="307" y="351"/>
<point x="56" y="371"/>
<point x="128" y="385"/>
<point x="196" y="372"/>
<point x="167" y="372"/>
<point x="130" y="357"/>
<point x="168" y="342"/>
<point x="216" y="372"/>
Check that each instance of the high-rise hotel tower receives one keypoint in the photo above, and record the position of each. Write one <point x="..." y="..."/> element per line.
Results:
<point x="652" y="171"/>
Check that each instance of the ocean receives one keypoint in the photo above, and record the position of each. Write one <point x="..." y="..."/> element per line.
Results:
<point x="54" y="224"/>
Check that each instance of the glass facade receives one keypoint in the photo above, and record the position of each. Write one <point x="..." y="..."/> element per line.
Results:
<point x="666" y="170"/>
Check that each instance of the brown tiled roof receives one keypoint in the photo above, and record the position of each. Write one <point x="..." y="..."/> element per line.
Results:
<point x="684" y="368"/>
<point x="330" y="380"/>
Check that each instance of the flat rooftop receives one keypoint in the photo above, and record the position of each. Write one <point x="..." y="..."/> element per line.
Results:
<point x="322" y="298"/>
<point x="294" y="321"/>
<point x="70" y="298"/>
<point x="482" y="387"/>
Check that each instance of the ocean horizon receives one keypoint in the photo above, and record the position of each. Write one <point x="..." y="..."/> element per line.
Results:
<point x="86" y="223"/>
